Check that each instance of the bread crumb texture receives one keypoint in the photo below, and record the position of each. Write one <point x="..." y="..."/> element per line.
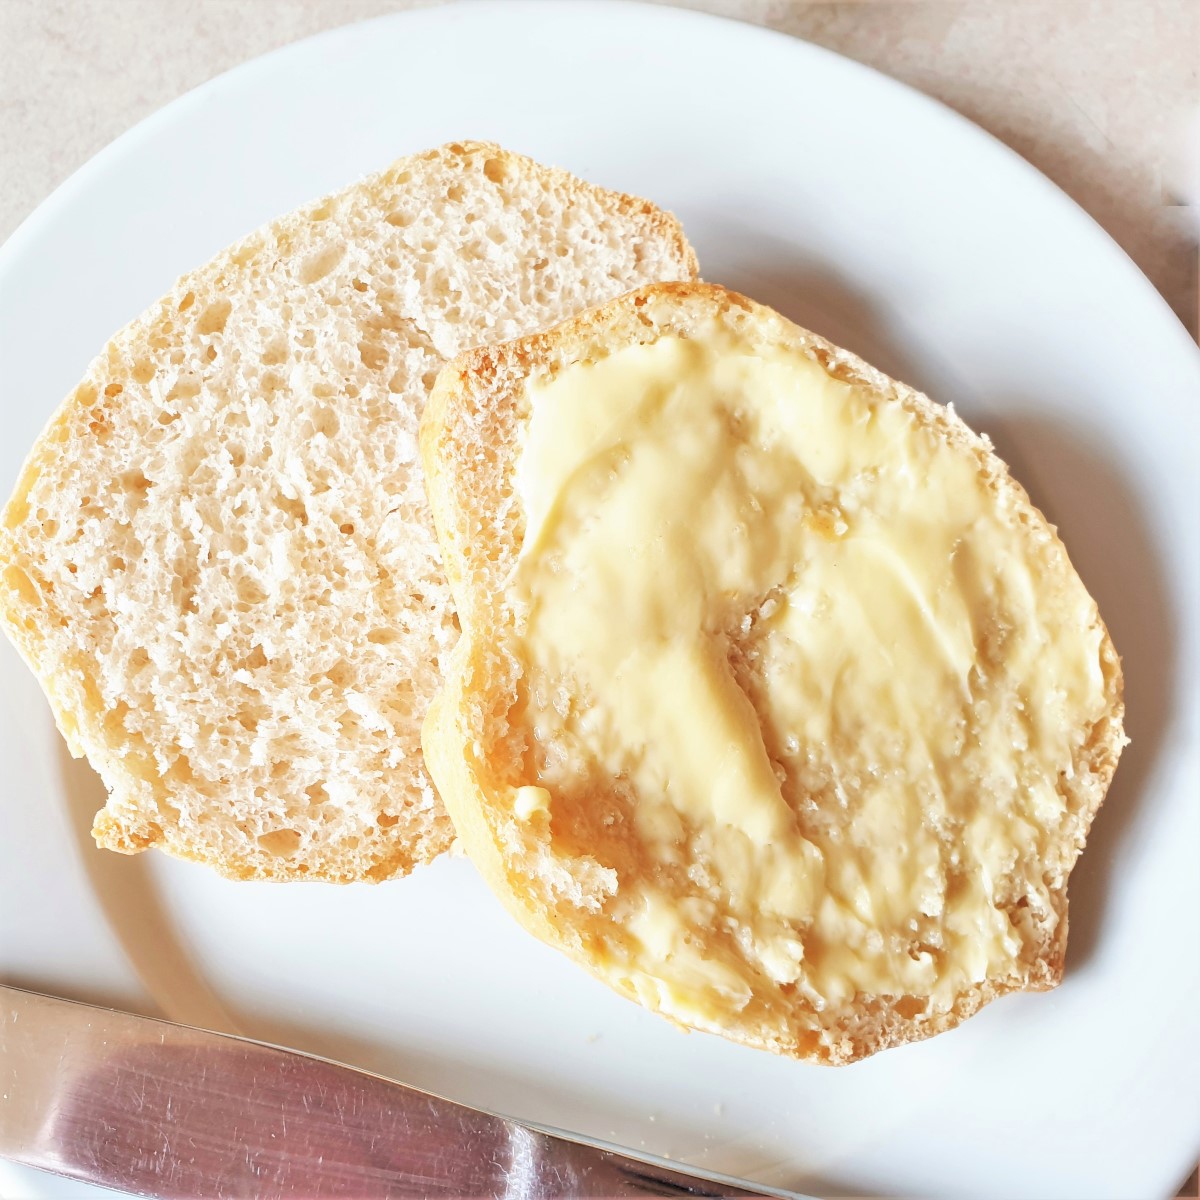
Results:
<point x="779" y="706"/>
<point x="219" y="559"/>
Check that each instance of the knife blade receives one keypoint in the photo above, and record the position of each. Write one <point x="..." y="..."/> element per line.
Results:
<point x="164" y="1110"/>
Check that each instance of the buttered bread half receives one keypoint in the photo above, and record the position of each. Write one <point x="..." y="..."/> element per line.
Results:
<point x="219" y="559"/>
<point x="778" y="705"/>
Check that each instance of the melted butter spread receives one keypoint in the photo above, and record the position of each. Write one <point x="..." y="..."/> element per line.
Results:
<point x="797" y="631"/>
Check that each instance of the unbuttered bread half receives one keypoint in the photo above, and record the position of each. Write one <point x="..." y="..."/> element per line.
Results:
<point x="778" y="706"/>
<point x="219" y="559"/>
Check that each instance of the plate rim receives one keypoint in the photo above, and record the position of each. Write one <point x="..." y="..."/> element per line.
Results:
<point x="78" y="182"/>
<point x="80" y="177"/>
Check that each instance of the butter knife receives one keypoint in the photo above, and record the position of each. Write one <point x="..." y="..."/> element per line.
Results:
<point x="164" y="1110"/>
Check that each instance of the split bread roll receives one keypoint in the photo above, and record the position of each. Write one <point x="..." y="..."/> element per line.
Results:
<point x="778" y="706"/>
<point x="219" y="559"/>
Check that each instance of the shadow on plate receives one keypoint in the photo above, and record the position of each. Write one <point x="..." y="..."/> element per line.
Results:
<point x="101" y="998"/>
<point x="129" y="898"/>
<point x="1083" y="492"/>
<point x="816" y="296"/>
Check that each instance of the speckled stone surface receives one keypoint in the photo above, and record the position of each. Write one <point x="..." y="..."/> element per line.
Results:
<point x="1095" y="93"/>
<point x="1098" y="94"/>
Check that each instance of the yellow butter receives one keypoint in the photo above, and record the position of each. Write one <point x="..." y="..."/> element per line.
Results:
<point x="529" y="800"/>
<point x="797" y="624"/>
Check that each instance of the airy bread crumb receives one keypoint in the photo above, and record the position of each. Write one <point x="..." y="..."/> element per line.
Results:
<point x="219" y="559"/>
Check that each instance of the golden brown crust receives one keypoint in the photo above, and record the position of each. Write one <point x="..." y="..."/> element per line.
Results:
<point x="468" y="439"/>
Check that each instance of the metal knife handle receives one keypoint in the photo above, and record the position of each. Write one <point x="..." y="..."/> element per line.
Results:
<point x="164" y="1110"/>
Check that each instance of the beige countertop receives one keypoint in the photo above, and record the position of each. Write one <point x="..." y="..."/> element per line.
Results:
<point x="1094" y="92"/>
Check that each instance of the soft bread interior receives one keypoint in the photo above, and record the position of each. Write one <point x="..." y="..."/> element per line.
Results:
<point x="779" y="706"/>
<point x="219" y="559"/>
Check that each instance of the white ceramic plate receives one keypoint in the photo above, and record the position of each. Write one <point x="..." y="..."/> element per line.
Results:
<point x="864" y="211"/>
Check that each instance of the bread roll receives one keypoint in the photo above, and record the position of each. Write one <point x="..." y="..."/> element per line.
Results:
<point x="219" y="559"/>
<point x="778" y="707"/>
